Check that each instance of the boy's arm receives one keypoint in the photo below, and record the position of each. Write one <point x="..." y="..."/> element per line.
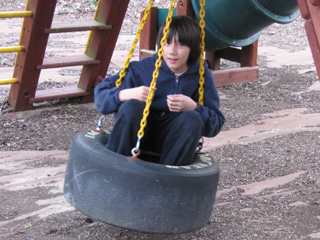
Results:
<point x="106" y="95"/>
<point x="210" y="113"/>
<point x="140" y="93"/>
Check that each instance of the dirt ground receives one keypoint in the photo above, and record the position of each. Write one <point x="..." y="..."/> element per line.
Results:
<point x="268" y="151"/>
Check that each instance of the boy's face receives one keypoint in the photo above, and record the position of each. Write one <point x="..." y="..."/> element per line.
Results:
<point x="176" y="56"/>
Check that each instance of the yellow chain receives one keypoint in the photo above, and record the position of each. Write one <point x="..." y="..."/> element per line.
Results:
<point x="90" y="33"/>
<point x="201" y="69"/>
<point x="134" y="44"/>
<point x="155" y="75"/>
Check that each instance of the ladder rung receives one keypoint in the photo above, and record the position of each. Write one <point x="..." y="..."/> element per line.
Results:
<point x="15" y="14"/>
<point x="67" y="61"/>
<point x="78" y="26"/>
<point x="8" y="81"/>
<point x="12" y="49"/>
<point x="56" y="93"/>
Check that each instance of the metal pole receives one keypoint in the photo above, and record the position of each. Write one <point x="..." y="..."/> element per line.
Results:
<point x="12" y="49"/>
<point x="9" y="81"/>
<point x="16" y="14"/>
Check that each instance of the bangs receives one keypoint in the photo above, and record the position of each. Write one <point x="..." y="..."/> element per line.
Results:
<point x="187" y="31"/>
<point x="181" y="31"/>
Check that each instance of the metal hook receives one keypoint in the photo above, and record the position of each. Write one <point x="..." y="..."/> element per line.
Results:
<point x="100" y="122"/>
<point x="136" y="151"/>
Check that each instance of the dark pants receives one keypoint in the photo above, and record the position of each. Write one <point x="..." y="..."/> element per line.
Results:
<point x="174" y="135"/>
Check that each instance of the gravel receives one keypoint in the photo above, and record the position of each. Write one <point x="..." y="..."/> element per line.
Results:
<point x="267" y="215"/>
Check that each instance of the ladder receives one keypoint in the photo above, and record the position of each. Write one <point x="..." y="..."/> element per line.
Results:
<point x="30" y="59"/>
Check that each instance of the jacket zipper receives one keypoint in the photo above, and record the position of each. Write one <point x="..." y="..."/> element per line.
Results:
<point x="177" y="82"/>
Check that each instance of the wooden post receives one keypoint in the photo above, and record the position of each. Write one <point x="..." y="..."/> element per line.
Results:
<point x="149" y="33"/>
<point x="249" y="55"/>
<point x="35" y="41"/>
<point x="184" y="7"/>
<point x="213" y="58"/>
<point x="310" y="11"/>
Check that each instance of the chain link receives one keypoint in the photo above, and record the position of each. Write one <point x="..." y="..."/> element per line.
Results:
<point x="134" y="44"/>
<point x="202" y="25"/>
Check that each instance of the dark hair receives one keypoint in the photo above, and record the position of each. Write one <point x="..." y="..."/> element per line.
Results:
<point x="188" y="31"/>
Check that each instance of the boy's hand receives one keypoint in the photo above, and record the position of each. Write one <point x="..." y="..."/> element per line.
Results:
<point x="180" y="103"/>
<point x="140" y="93"/>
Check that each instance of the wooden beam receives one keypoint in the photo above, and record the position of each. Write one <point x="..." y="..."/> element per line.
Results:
<point x="57" y="93"/>
<point x="57" y="62"/>
<point x="77" y="26"/>
<point x="237" y="75"/>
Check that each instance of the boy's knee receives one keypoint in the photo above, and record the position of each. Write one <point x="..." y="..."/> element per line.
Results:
<point x="130" y="112"/>
<point x="132" y="106"/>
<point x="192" y="117"/>
<point x="191" y="121"/>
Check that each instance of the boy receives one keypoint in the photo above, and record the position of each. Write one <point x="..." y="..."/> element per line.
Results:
<point x="176" y="120"/>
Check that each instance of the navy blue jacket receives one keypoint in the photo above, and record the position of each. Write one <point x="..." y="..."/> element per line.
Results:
<point x="140" y="73"/>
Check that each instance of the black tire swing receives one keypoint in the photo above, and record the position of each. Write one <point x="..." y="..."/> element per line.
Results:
<point x="139" y="195"/>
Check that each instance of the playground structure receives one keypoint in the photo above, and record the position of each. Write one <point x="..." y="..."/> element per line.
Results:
<point x="234" y="39"/>
<point x="34" y="37"/>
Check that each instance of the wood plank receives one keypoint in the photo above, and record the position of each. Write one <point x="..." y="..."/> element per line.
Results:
<point x="57" y="93"/>
<point x="146" y="53"/>
<point x="238" y="75"/>
<point x="77" y="26"/>
<point x="67" y="61"/>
